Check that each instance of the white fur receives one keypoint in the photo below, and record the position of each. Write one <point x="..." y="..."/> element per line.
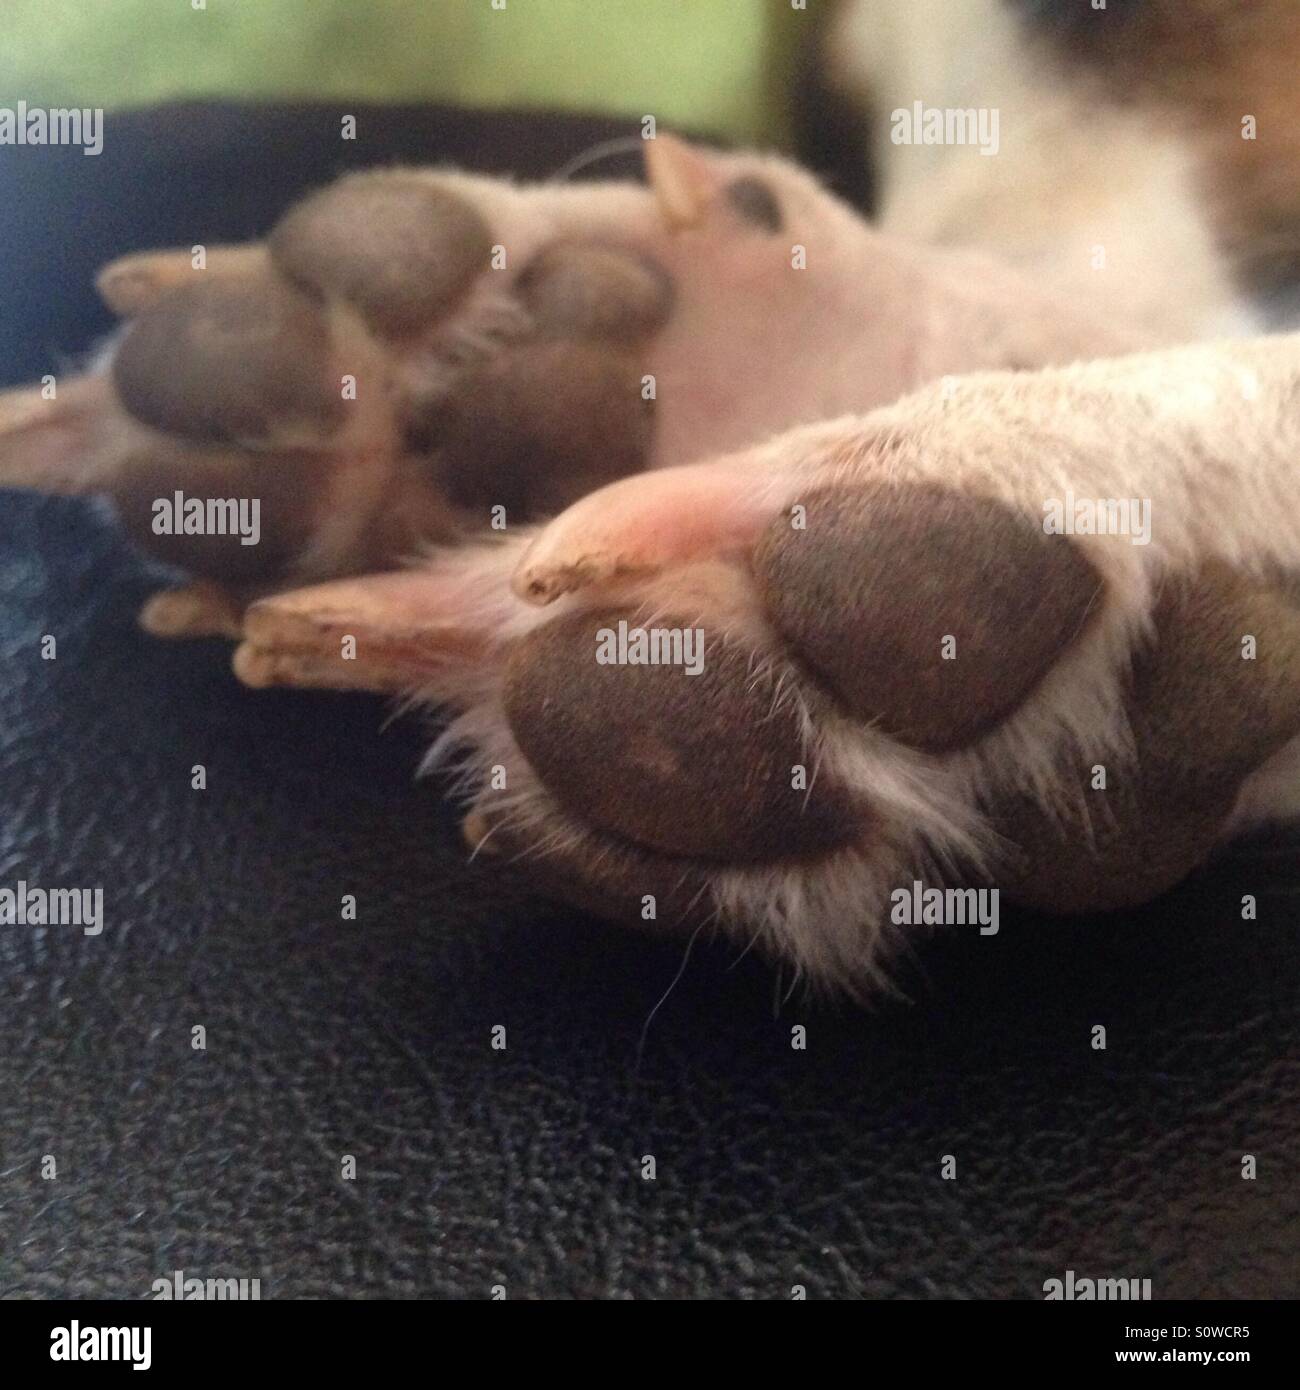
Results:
<point x="1073" y="172"/>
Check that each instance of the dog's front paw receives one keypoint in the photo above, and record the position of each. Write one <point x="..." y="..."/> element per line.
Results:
<point x="409" y="357"/>
<point x="413" y="356"/>
<point x="940" y="644"/>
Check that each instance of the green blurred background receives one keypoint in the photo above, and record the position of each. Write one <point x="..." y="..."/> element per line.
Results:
<point x="715" y="66"/>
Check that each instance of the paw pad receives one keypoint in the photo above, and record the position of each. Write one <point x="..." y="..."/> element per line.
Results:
<point x="703" y="766"/>
<point x="396" y="247"/>
<point x="929" y="612"/>
<point x="585" y="290"/>
<point x="538" y="426"/>
<point x="230" y="360"/>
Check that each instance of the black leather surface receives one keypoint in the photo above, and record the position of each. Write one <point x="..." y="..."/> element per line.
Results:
<point x="523" y="1167"/>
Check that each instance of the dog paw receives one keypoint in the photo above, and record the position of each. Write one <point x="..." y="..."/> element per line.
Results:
<point x="770" y="691"/>
<point x="789" y="712"/>
<point x="407" y="358"/>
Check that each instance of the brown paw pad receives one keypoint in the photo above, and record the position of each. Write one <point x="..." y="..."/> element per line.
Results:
<point x="396" y="247"/>
<point x="1210" y="698"/>
<point x="224" y="483"/>
<point x="929" y="612"/>
<point x="707" y="766"/>
<point x="538" y="426"/>
<point x="230" y="360"/>
<point x="586" y="290"/>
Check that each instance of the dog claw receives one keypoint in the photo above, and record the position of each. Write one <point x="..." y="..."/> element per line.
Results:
<point x="638" y="526"/>
<point x="377" y="633"/>
<point x="195" y="610"/>
<point x="133" y="283"/>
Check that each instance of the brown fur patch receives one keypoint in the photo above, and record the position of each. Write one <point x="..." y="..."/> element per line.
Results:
<point x="1208" y="64"/>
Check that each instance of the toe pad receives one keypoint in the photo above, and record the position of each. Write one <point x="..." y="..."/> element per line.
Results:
<point x="229" y="359"/>
<point x="929" y="612"/>
<point x="397" y="248"/>
<point x="701" y="765"/>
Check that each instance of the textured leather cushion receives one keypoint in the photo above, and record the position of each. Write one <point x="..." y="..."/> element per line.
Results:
<point x="774" y="1167"/>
